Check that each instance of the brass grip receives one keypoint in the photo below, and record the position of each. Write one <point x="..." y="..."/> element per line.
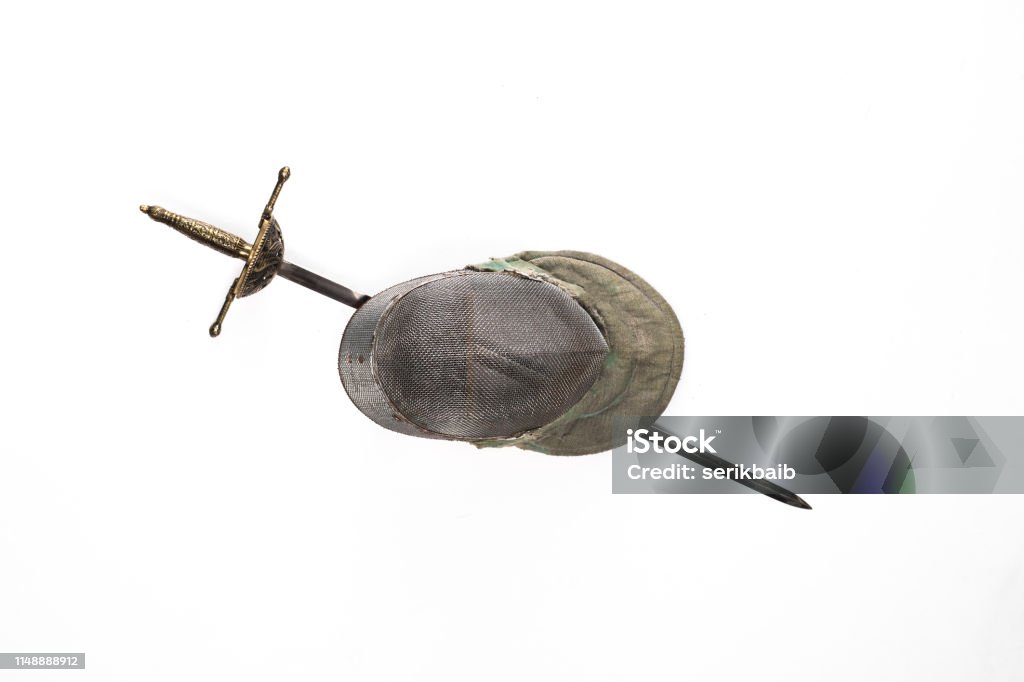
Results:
<point x="204" y="233"/>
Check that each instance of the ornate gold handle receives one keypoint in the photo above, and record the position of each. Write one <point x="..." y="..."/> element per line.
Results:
<point x="204" y="233"/>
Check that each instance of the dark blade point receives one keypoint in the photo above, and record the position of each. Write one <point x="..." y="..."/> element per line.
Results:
<point x="767" y="488"/>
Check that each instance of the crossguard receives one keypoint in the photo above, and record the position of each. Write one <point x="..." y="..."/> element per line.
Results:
<point x="264" y="259"/>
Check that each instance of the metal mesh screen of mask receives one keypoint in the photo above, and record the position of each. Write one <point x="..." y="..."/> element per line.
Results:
<point x="470" y="355"/>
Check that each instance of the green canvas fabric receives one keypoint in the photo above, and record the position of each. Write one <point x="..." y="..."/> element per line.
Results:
<point x="645" y="358"/>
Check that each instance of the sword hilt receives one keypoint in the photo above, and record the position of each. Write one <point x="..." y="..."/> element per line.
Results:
<point x="264" y="258"/>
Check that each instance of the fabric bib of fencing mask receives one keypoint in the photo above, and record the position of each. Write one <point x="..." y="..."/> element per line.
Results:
<point x="541" y="350"/>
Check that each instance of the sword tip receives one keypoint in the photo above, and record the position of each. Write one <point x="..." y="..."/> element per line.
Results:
<point x="796" y="501"/>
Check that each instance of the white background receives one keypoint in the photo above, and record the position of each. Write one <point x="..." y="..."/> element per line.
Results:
<point x="828" y="193"/>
